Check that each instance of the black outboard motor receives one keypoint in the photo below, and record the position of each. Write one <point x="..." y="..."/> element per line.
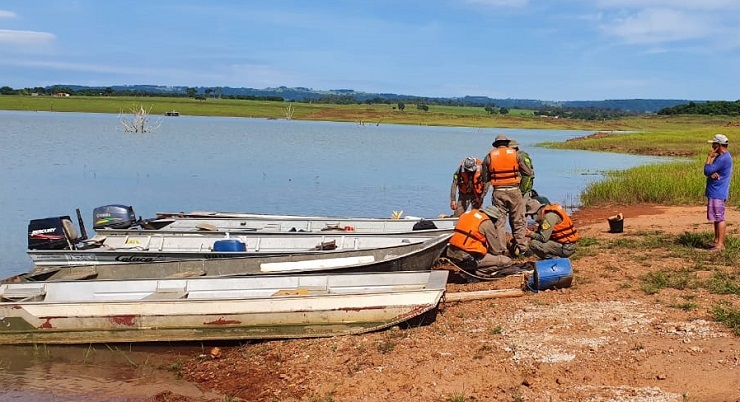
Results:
<point x="56" y="233"/>
<point x="115" y="216"/>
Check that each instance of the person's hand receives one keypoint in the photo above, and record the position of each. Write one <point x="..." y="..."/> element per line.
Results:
<point x="712" y="154"/>
<point x="453" y="205"/>
<point x="715" y="176"/>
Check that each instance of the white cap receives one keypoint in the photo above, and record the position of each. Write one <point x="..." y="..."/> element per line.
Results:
<point x="719" y="139"/>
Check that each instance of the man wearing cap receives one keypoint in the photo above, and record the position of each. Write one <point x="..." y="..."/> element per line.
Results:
<point x="468" y="186"/>
<point x="474" y="243"/>
<point x="502" y="169"/>
<point x="718" y="170"/>
<point x="556" y="235"/>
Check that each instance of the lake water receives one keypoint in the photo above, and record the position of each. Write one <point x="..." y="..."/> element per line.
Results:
<point x="53" y="163"/>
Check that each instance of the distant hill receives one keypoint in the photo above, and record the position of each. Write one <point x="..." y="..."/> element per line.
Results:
<point x="302" y="94"/>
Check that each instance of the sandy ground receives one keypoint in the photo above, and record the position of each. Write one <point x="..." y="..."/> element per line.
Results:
<point x="602" y="339"/>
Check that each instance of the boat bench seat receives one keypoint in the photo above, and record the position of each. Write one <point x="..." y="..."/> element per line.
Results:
<point x="23" y="294"/>
<point x="169" y="294"/>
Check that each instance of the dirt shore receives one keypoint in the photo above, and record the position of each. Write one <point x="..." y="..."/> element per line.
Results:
<point x="603" y="339"/>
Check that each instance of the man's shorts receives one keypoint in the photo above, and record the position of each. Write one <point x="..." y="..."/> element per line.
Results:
<point x="716" y="210"/>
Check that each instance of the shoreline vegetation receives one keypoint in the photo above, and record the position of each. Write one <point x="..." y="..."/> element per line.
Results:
<point x="673" y="183"/>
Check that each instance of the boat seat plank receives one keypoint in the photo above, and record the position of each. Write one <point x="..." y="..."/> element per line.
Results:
<point x="315" y="264"/>
<point x="167" y="295"/>
<point x="304" y="291"/>
<point x="23" y="294"/>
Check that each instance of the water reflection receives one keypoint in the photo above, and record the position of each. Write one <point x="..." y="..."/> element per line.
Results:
<point x="94" y="373"/>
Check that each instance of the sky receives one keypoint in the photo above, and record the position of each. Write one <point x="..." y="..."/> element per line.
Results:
<point x="555" y="50"/>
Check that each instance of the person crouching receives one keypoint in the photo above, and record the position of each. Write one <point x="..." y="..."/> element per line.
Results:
<point x="474" y="244"/>
<point x="556" y="235"/>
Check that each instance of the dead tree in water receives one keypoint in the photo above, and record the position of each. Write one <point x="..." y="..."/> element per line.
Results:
<point x="138" y="121"/>
<point x="289" y="112"/>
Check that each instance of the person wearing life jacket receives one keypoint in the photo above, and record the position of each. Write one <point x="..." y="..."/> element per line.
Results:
<point x="474" y="244"/>
<point x="556" y="235"/>
<point x="503" y="168"/>
<point x="468" y="186"/>
<point x="527" y="183"/>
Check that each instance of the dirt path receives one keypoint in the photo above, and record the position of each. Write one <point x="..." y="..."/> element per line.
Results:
<point x="603" y="339"/>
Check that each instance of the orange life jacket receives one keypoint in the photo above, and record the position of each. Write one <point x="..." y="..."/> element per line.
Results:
<point x="470" y="182"/>
<point x="467" y="237"/>
<point x="565" y="231"/>
<point x="503" y="169"/>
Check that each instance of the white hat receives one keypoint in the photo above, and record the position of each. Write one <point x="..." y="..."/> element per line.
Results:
<point x="719" y="139"/>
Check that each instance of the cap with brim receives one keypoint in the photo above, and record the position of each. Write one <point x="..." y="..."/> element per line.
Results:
<point x="513" y="144"/>
<point x="499" y="139"/>
<point x="719" y="139"/>
<point x="534" y="204"/>
<point x="492" y="212"/>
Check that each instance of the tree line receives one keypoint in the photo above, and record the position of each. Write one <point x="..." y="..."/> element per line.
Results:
<point x="709" y="108"/>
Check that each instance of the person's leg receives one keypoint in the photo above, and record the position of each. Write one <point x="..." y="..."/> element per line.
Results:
<point x="549" y="249"/>
<point x="719" y="230"/>
<point x="538" y="248"/>
<point x="461" y="206"/>
<point x="499" y="202"/>
<point x="490" y="264"/>
<point x="716" y="215"/>
<point x="517" y="219"/>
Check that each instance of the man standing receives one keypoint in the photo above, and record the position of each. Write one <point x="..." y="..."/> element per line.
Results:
<point x="468" y="186"/>
<point x="718" y="170"/>
<point x="474" y="243"/>
<point x="556" y="235"/>
<point x="503" y="168"/>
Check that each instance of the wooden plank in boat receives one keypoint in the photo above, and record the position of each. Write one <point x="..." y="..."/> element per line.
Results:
<point x="315" y="264"/>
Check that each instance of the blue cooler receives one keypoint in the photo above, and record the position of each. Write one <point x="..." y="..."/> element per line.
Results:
<point x="554" y="273"/>
<point x="229" y="245"/>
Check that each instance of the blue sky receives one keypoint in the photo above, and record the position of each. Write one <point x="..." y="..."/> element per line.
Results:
<point x="535" y="49"/>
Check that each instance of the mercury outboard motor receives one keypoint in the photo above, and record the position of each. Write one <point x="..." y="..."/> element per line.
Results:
<point x="55" y="233"/>
<point x="115" y="216"/>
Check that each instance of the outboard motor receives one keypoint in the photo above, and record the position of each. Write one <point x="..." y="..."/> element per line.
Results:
<point x="56" y="233"/>
<point x="115" y="216"/>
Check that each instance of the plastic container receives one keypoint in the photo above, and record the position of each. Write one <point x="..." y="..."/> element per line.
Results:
<point x="616" y="223"/>
<point x="229" y="245"/>
<point x="555" y="273"/>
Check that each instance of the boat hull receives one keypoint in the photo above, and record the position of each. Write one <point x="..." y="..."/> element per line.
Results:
<point x="409" y="257"/>
<point x="176" y="247"/>
<point x="214" y="308"/>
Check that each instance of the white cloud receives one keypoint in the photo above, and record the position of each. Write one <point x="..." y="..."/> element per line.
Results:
<point x="659" y="25"/>
<point x="7" y="14"/>
<point x="25" y="38"/>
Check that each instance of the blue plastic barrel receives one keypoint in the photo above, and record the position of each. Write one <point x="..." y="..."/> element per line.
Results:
<point x="229" y="245"/>
<point x="555" y="273"/>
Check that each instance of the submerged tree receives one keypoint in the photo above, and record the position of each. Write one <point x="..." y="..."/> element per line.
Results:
<point x="138" y="121"/>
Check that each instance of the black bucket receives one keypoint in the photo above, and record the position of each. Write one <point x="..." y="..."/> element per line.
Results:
<point x="616" y="223"/>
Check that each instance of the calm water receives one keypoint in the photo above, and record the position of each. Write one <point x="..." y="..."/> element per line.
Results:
<point x="53" y="163"/>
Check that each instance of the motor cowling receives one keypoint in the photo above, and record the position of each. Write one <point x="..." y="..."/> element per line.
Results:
<point x="114" y="216"/>
<point x="55" y="233"/>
